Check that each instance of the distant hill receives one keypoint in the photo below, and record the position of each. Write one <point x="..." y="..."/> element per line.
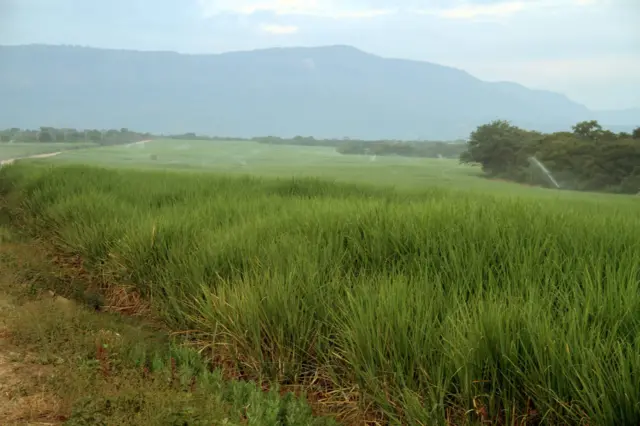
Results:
<point x="332" y="91"/>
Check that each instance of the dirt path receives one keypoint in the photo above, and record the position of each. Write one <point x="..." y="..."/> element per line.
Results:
<point x="50" y="154"/>
<point x="22" y="400"/>
<point x="24" y="397"/>
<point x="13" y="160"/>
<point x="140" y="142"/>
<point x="53" y="154"/>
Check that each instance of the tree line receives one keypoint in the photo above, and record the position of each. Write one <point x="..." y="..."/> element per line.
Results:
<point x="192" y="136"/>
<point x="69" y="135"/>
<point x="587" y="158"/>
<point x="347" y="146"/>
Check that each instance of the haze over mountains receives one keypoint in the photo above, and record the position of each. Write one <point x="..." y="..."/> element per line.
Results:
<point x="332" y="91"/>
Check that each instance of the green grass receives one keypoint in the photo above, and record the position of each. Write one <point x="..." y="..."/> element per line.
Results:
<point x="432" y="305"/>
<point x="61" y="361"/>
<point x="252" y="158"/>
<point x="25" y="149"/>
<point x="243" y="158"/>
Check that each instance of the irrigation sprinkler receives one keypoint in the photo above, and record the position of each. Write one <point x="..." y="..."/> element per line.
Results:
<point x="546" y="171"/>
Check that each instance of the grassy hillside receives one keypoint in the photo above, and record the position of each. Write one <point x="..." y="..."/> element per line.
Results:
<point x="435" y="305"/>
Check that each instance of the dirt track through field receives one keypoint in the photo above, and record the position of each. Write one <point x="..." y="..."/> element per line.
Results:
<point x="13" y="160"/>
<point x="140" y="142"/>
<point x="53" y="154"/>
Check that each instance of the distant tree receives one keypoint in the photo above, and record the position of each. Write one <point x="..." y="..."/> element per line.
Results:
<point x="75" y="136"/>
<point x="499" y="147"/>
<point x="45" y="136"/>
<point x="636" y="133"/>
<point x="467" y="158"/>
<point x="589" y="158"/>
<point x="94" y="135"/>
<point x="607" y="135"/>
<point x="588" y="130"/>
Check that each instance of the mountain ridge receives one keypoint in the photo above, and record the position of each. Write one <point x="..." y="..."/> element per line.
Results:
<point x="326" y="91"/>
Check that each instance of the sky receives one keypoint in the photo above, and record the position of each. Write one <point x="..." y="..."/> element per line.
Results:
<point x="586" y="49"/>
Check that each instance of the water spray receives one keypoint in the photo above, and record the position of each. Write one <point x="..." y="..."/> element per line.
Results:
<point x="545" y="171"/>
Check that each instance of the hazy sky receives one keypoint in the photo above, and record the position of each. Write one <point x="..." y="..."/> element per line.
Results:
<point x="587" y="49"/>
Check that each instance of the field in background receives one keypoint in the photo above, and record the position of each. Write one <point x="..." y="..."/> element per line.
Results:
<point x="25" y="149"/>
<point x="242" y="157"/>
<point x="435" y="304"/>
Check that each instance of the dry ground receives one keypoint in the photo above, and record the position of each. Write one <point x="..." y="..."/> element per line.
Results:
<point x="62" y="362"/>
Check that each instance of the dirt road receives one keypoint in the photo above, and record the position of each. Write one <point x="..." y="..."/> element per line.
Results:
<point x="13" y="160"/>
<point x="139" y="142"/>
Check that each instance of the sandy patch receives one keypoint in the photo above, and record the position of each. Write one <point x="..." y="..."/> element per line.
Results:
<point x="50" y="154"/>
<point x="22" y="401"/>
<point x="13" y="160"/>
<point x="140" y="142"/>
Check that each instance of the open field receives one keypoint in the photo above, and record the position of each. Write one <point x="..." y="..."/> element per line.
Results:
<point x="26" y="149"/>
<point x="459" y="303"/>
<point x="242" y="157"/>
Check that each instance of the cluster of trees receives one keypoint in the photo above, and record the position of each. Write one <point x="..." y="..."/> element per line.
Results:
<point x="191" y="136"/>
<point x="52" y="134"/>
<point x="587" y="158"/>
<point x="344" y="146"/>
<point x="430" y="149"/>
<point x="404" y="149"/>
<point x="299" y="140"/>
